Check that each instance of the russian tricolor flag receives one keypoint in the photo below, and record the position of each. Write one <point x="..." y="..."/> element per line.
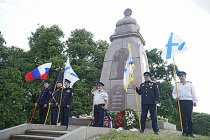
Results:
<point x="40" y="72"/>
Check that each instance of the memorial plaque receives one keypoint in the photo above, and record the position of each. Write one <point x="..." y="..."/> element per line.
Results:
<point x="118" y="64"/>
<point x="117" y="99"/>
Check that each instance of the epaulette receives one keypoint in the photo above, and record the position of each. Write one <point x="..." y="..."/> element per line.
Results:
<point x="189" y="82"/>
<point x="153" y="82"/>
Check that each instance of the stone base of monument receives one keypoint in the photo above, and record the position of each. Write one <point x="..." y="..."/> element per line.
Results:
<point x="161" y="125"/>
<point x="79" y="121"/>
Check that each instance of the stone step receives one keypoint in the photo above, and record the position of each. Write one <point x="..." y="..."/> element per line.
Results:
<point x="31" y="137"/>
<point x="45" y="133"/>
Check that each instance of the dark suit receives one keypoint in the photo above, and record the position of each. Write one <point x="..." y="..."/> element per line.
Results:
<point x="55" y="100"/>
<point x="67" y="97"/>
<point x="149" y="93"/>
<point x="44" y="99"/>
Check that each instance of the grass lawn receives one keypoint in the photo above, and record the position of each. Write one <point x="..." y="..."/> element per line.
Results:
<point x="169" y="135"/>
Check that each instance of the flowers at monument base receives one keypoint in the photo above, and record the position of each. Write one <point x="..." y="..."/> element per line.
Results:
<point x="126" y="118"/>
<point x="158" y="118"/>
<point x="83" y="116"/>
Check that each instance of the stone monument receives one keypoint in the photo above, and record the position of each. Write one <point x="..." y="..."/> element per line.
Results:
<point x="127" y="31"/>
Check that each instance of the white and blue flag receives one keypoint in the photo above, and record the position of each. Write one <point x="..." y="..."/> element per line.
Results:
<point x="69" y="73"/>
<point x="128" y="73"/>
<point x="174" y="46"/>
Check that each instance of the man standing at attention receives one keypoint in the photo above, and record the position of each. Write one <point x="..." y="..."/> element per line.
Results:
<point x="100" y="102"/>
<point x="66" y="100"/>
<point x="150" y="98"/>
<point x="43" y="102"/>
<point x="187" y="99"/>
<point x="55" y="102"/>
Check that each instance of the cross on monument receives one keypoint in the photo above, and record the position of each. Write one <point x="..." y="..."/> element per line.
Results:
<point x="120" y="58"/>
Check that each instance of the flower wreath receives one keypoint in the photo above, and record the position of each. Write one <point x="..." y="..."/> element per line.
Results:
<point x="127" y="119"/>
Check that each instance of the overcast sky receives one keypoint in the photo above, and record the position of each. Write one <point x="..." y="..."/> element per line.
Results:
<point x="190" y="19"/>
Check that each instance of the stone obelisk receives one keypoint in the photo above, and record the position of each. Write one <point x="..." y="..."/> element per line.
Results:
<point x="127" y="32"/>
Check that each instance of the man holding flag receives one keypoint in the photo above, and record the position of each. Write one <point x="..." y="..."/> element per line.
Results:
<point x="187" y="99"/>
<point x="55" y="101"/>
<point x="183" y="92"/>
<point x="43" y="102"/>
<point x="66" y="100"/>
<point x="150" y="98"/>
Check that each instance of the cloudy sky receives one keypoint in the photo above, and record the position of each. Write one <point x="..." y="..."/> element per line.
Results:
<point x="190" y="19"/>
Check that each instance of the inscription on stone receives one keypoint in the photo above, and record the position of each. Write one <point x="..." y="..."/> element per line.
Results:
<point x="118" y="64"/>
<point x="117" y="98"/>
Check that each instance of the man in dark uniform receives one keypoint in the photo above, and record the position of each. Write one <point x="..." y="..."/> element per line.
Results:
<point x="66" y="100"/>
<point x="187" y="99"/>
<point x="150" y="97"/>
<point x="100" y="102"/>
<point x="55" y="102"/>
<point x="43" y="102"/>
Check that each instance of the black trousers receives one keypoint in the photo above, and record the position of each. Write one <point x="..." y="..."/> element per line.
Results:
<point x="42" y="113"/>
<point x="186" y="107"/>
<point x="153" y="113"/>
<point x="64" y="116"/>
<point x="98" y="115"/>
<point x="54" y="115"/>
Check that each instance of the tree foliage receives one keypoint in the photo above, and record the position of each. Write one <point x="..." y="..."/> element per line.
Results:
<point x="17" y="97"/>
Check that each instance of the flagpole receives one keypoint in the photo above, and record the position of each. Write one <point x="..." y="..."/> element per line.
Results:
<point x="37" y="104"/>
<point x="49" y="105"/>
<point x="137" y="104"/>
<point x="60" y="104"/>
<point x="177" y="96"/>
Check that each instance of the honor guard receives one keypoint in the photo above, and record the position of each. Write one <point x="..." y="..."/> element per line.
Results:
<point x="100" y="102"/>
<point x="66" y="100"/>
<point x="43" y="102"/>
<point x="187" y="99"/>
<point x="150" y="97"/>
<point x="55" y="102"/>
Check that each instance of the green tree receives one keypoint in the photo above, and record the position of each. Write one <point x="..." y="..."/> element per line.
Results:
<point x="13" y="96"/>
<point x="87" y="60"/>
<point x="201" y="123"/>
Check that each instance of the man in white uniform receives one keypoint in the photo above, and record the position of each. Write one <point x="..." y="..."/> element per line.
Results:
<point x="187" y="99"/>
<point x="100" y="102"/>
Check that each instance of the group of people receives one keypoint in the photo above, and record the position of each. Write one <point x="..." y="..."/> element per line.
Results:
<point x="57" y="101"/>
<point x="150" y="97"/>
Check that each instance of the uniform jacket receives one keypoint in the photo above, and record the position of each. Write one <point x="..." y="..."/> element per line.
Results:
<point x="45" y="96"/>
<point x="149" y="92"/>
<point x="185" y="92"/>
<point x="67" y="97"/>
<point x="55" y="96"/>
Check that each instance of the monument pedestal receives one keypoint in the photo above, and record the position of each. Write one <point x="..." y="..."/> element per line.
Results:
<point x="79" y="121"/>
<point x="161" y="125"/>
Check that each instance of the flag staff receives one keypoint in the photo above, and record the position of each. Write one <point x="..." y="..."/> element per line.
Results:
<point x="177" y="96"/>
<point x="137" y="105"/>
<point x="134" y="88"/>
<point x="37" y="104"/>
<point x="60" y="104"/>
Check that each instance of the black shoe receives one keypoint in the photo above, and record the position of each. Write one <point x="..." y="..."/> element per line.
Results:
<point x="157" y="133"/>
<point x="184" y="135"/>
<point x="141" y="131"/>
<point x="192" y="135"/>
